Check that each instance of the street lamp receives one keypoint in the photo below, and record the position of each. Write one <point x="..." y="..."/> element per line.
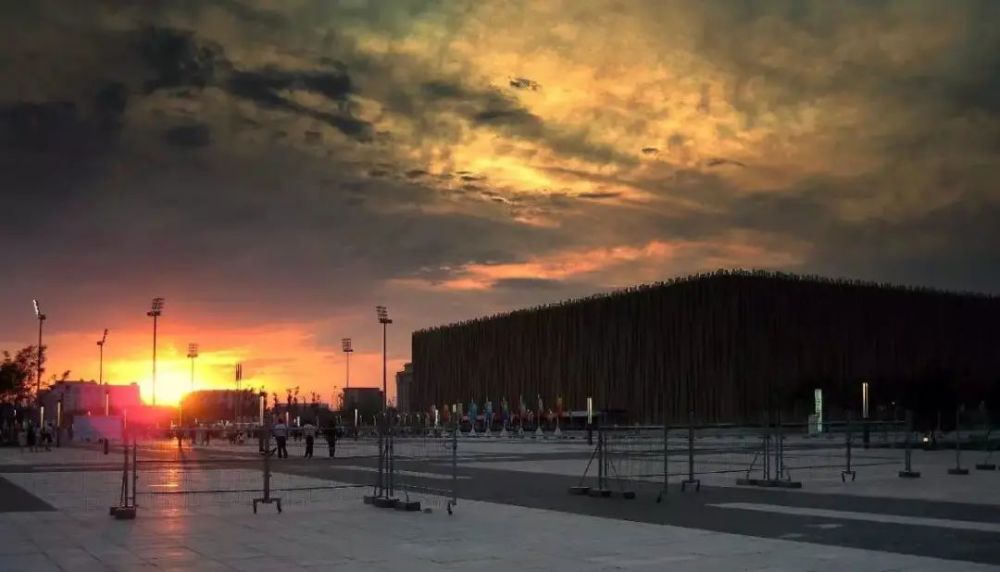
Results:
<point x="192" y="353"/>
<point x="100" y="367"/>
<point x="345" y="344"/>
<point x="155" y="312"/>
<point x="38" y="366"/>
<point x="383" y="318"/>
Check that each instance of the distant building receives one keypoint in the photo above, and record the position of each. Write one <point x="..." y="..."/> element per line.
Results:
<point x="213" y="405"/>
<point x="731" y="347"/>
<point x="367" y="400"/>
<point x="88" y="397"/>
<point x="404" y="379"/>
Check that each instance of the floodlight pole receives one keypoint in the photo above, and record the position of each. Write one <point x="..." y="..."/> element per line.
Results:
<point x="100" y="366"/>
<point x="38" y="365"/>
<point x="155" y="316"/>
<point x="383" y="318"/>
<point x="192" y="354"/>
<point x="155" y="312"/>
<point x="385" y="395"/>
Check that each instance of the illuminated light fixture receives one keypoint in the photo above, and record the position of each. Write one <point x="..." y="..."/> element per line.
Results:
<point x="38" y="366"/>
<point x="383" y="318"/>
<point x="192" y="354"/>
<point x="345" y="344"/>
<point x="100" y="345"/>
<point x="155" y="312"/>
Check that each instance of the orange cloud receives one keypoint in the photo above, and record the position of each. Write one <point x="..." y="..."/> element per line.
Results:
<point x="655" y="260"/>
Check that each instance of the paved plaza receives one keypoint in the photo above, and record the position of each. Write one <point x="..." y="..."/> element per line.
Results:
<point x="513" y="513"/>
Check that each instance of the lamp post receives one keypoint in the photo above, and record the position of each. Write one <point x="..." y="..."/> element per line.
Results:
<point x="100" y="366"/>
<point x="38" y="366"/>
<point x="155" y="312"/>
<point x="192" y="354"/>
<point x="238" y="404"/>
<point x="383" y="318"/>
<point x="345" y="344"/>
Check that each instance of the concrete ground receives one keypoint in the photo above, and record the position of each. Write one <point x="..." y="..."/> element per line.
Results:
<point x="513" y="512"/>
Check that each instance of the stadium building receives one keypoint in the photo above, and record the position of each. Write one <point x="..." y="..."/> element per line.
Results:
<point x="729" y="346"/>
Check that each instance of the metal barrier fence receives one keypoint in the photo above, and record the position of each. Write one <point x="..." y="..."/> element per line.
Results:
<point x="170" y="474"/>
<point x="417" y="467"/>
<point x="644" y="460"/>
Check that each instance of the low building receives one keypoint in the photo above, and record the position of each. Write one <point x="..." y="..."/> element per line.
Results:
<point x="88" y="397"/>
<point x="214" y="405"/>
<point x="404" y="379"/>
<point x="726" y="347"/>
<point x="367" y="400"/>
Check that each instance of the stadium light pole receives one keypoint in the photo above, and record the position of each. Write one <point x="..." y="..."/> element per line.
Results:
<point x="38" y="366"/>
<point x="192" y="354"/>
<point x="155" y="312"/>
<point x="345" y="344"/>
<point x="100" y="366"/>
<point x="383" y="318"/>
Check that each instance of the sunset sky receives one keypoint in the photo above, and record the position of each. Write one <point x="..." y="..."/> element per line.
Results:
<point x="276" y="168"/>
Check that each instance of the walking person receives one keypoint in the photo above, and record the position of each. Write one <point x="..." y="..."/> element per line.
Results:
<point x="47" y="436"/>
<point x="31" y="437"/>
<point x="280" y="432"/>
<point x="331" y="438"/>
<point x="309" y="433"/>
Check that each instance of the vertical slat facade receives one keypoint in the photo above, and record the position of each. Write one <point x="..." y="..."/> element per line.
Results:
<point x="717" y="343"/>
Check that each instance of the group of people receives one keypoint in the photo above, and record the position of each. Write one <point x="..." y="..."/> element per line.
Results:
<point x="308" y="430"/>
<point x="36" y="437"/>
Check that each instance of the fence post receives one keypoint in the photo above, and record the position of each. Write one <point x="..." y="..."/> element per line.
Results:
<point x="691" y="480"/>
<point x="454" y="469"/>
<point x="666" y="458"/>
<point x="266" y="499"/>
<point x="908" y="472"/>
<point x="135" y="468"/>
<point x="779" y="448"/>
<point x="958" y="470"/>
<point x="381" y="454"/>
<point x="390" y="454"/>
<point x="126" y="503"/>
<point x="601" y="459"/>
<point x="766" y="468"/>
<point x="847" y="448"/>
<point x="987" y="464"/>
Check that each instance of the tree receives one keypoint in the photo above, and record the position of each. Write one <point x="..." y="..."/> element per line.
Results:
<point x="17" y="373"/>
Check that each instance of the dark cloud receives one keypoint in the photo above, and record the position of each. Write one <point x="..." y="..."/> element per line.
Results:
<point x="491" y="108"/>
<point x="266" y="88"/>
<point x="444" y="90"/>
<point x="524" y="83"/>
<point x="189" y="136"/>
<point x="528" y="284"/>
<point x="600" y="195"/>
<point x="176" y="59"/>
<point x="720" y="161"/>
<point x="650" y="150"/>
<point x="179" y="60"/>
<point x="519" y="119"/>
<point x="51" y="127"/>
<point x="313" y="137"/>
